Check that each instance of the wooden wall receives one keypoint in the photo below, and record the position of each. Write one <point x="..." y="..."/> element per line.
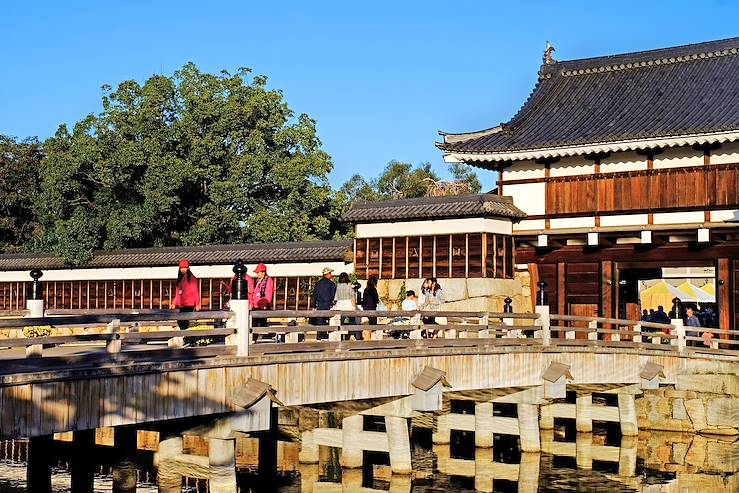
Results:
<point x="455" y="255"/>
<point x="647" y="190"/>
<point x="291" y="293"/>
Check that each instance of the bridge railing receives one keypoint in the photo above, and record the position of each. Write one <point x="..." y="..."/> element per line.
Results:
<point x="111" y="329"/>
<point x="611" y="332"/>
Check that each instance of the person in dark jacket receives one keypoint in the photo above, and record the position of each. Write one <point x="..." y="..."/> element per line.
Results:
<point x="324" y="293"/>
<point x="371" y="298"/>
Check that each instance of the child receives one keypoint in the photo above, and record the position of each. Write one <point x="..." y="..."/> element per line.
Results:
<point x="410" y="302"/>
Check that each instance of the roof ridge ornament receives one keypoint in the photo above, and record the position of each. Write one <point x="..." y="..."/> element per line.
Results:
<point x="547" y="58"/>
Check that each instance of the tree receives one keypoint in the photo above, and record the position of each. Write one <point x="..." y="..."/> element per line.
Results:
<point x="403" y="181"/>
<point x="19" y="168"/>
<point x="194" y="158"/>
<point x="463" y="173"/>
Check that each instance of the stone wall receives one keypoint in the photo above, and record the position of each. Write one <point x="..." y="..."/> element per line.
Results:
<point x="474" y="294"/>
<point x="705" y="403"/>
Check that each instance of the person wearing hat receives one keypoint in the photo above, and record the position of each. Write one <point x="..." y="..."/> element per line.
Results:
<point x="324" y="293"/>
<point x="261" y="297"/>
<point x="187" y="292"/>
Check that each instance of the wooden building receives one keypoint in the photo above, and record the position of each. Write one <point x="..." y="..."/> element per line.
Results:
<point x="625" y="165"/>
<point x="144" y="278"/>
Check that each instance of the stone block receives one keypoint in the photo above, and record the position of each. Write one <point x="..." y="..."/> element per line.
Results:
<point x="469" y="305"/>
<point x="697" y="413"/>
<point x="393" y="289"/>
<point x="678" y="452"/>
<point x="382" y="289"/>
<point x="709" y="383"/>
<point x="723" y="412"/>
<point x="696" y="454"/>
<point x="678" y="409"/>
<point x="454" y="289"/>
<point x="493" y="287"/>
<point x="722" y="456"/>
<point x="672" y="393"/>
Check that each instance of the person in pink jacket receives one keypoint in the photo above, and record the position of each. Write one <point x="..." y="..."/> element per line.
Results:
<point x="264" y="289"/>
<point x="187" y="292"/>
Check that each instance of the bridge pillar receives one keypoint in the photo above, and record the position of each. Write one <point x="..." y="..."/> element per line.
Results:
<point x="627" y="457"/>
<point x="82" y="467"/>
<point x="584" y="413"/>
<point x="222" y="460"/>
<point x="584" y="450"/>
<point x="169" y="480"/>
<point x="528" y="427"/>
<point x="38" y="471"/>
<point x="528" y="472"/>
<point x="483" y="425"/>
<point x="351" y="451"/>
<point x="399" y="444"/>
<point x="627" y="414"/>
<point x="124" y="470"/>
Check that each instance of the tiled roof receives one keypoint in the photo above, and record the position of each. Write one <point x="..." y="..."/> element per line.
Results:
<point x="480" y="205"/>
<point x="308" y="251"/>
<point x="684" y="90"/>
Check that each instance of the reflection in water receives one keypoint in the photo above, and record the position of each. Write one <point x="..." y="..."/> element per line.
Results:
<point x="602" y="461"/>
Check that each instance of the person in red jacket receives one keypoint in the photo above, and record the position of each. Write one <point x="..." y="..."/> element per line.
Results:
<point x="187" y="297"/>
<point x="261" y="297"/>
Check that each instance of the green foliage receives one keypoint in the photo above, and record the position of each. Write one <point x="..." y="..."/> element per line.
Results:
<point x="402" y="294"/>
<point x="19" y="175"/>
<point x="463" y="173"/>
<point x="190" y="159"/>
<point x="37" y="331"/>
<point x="404" y="181"/>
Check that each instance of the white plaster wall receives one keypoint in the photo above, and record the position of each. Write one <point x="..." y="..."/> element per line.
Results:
<point x="678" y="157"/>
<point x="728" y="153"/>
<point x="572" y="222"/>
<point x="571" y="166"/>
<point x="624" y="220"/>
<point x="529" y="197"/>
<point x="623" y="161"/>
<point x="529" y="224"/>
<point x="200" y="271"/>
<point x="523" y="170"/>
<point x="724" y="216"/>
<point x="679" y="217"/>
<point x="438" y="227"/>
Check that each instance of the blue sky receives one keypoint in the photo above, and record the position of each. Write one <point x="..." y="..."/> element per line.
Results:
<point x="381" y="78"/>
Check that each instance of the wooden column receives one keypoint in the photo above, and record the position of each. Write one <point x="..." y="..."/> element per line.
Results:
<point x="561" y="289"/>
<point x="82" y="465"/>
<point x="606" y="289"/>
<point x="124" y="468"/>
<point x="222" y="461"/>
<point x="38" y="472"/>
<point x="723" y="294"/>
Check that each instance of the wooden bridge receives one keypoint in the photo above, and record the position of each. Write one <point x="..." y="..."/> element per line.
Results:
<point x="131" y="369"/>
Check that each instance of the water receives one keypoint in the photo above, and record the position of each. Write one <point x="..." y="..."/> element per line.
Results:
<point x="599" y="462"/>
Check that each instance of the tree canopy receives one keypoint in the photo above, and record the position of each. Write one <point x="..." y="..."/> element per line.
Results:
<point x="18" y="182"/>
<point x="194" y="158"/>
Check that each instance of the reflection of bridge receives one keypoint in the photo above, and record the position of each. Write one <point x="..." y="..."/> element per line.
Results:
<point x="123" y="379"/>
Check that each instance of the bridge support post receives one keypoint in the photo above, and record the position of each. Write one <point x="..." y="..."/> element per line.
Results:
<point x="82" y="467"/>
<point x="483" y="425"/>
<point x="399" y="444"/>
<point x="124" y="470"/>
<point x="528" y="427"/>
<point x="222" y="460"/>
<point x="351" y="452"/>
<point x="584" y="450"/>
<point x="38" y="471"/>
<point x="240" y="322"/>
<point x="627" y="457"/>
<point x="528" y="472"/>
<point x="169" y="480"/>
<point x="627" y="414"/>
<point x="584" y="413"/>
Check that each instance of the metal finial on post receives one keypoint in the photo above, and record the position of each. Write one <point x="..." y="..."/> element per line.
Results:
<point x="507" y="306"/>
<point x="36" y="293"/>
<point x="541" y="295"/>
<point x="239" y="290"/>
<point x="676" y="307"/>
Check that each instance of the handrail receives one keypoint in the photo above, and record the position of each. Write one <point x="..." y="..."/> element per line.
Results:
<point x="262" y="314"/>
<point x="158" y="316"/>
<point x="614" y="321"/>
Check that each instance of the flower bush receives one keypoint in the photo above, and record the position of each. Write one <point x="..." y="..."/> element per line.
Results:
<point x="37" y="331"/>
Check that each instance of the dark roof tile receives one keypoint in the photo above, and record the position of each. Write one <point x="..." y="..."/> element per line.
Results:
<point x="682" y="90"/>
<point x="479" y="205"/>
<point x="308" y="251"/>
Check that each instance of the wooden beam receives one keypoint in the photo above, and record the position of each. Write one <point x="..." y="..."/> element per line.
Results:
<point x="561" y="289"/>
<point x="723" y="294"/>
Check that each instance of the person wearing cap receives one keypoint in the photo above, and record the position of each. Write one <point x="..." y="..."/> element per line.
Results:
<point x="324" y="293"/>
<point x="187" y="292"/>
<point x="261" y="297"/>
